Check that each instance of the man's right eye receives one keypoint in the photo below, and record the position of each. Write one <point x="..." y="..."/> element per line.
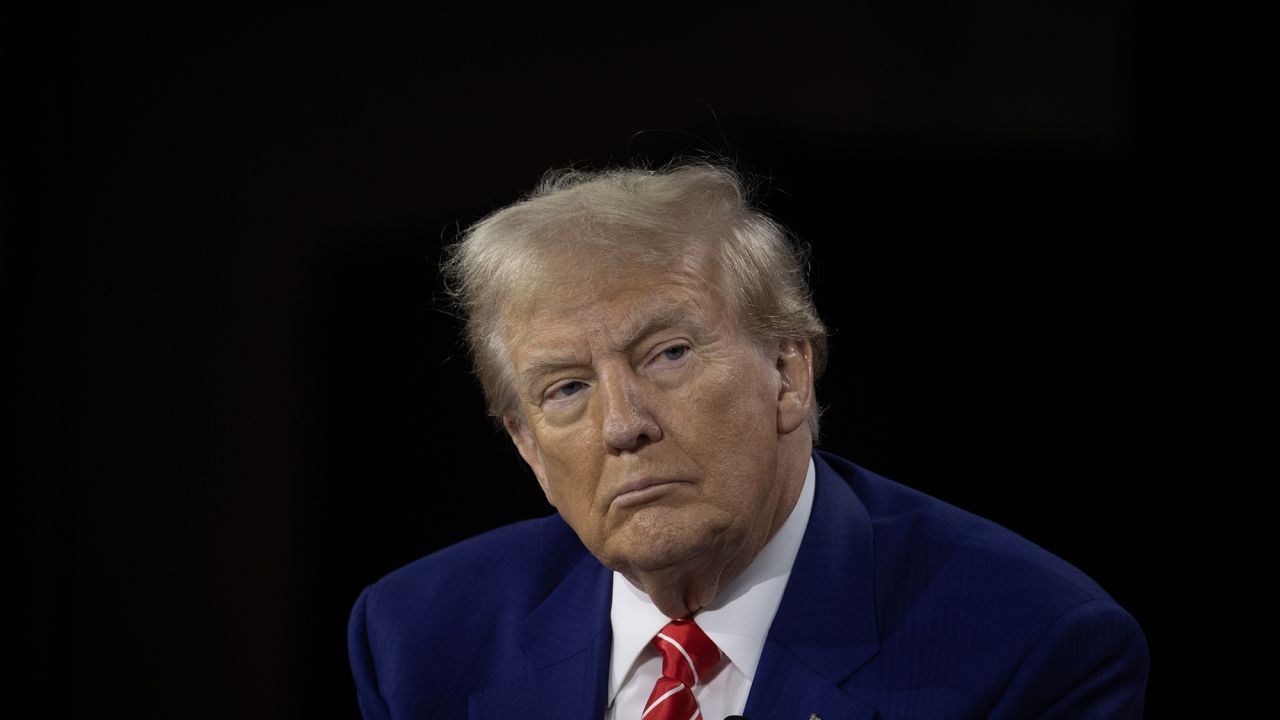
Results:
<point x="565" y="390"/>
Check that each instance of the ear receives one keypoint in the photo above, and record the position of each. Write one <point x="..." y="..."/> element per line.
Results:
<point x="795" y="394"/>
<point x="518" y="428"/>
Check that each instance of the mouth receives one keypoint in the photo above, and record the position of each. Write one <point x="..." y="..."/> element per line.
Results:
<point x="641" y="491"/>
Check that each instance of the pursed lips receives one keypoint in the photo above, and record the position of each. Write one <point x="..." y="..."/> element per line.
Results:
<point x="641" y="490"/>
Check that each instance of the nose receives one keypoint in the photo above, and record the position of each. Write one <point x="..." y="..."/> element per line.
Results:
<point x="627" y="421"/>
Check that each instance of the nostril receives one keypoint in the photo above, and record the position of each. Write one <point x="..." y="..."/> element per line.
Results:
<point x="631" y="430"/>
<point x="628" y="423"/>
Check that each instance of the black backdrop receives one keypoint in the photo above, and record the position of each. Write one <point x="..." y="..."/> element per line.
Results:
<point x="240" y="399"/>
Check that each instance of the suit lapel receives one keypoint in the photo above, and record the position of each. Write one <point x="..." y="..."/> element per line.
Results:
<point x="566" y="644"/>
<point x="788" y="688"/>
<point x="805" y="661"/>
<point x="566" y="641"/>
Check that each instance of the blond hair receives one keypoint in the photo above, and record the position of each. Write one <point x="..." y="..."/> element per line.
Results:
<point x="629" y="218"/>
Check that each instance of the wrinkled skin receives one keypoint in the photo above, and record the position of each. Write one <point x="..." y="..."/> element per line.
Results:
<point x="672" y="443"/>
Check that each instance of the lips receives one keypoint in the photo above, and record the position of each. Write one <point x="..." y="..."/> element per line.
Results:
<point x="642" y="490"/>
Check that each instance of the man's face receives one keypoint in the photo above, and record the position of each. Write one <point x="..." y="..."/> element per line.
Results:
<point x="651" y="420"/>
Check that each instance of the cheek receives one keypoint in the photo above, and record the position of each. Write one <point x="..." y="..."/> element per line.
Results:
<point x="731" y="418"/>
<point x="738" y="394"/>
<point x="571" y="467"/>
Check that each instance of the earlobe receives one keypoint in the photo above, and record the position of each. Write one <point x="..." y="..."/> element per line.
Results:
<point x="795" y="371"/>
<point x="518" y="429"/>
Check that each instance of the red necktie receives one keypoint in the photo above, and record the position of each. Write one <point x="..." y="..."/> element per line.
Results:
<point x="687" y="656"/>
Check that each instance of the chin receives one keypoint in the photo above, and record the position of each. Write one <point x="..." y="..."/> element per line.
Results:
<point x="652" y="542"/>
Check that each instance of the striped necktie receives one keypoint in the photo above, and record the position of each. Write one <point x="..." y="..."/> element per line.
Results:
<point x="687" y="656"/>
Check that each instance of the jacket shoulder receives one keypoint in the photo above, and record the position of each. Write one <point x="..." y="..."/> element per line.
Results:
<point x="1024" y="629"/>
<point x="513" y="566"/>
<point x="904" y="518"/>
<point x="423" y="634"/>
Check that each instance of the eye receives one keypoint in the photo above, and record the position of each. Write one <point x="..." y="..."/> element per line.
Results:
<point x="565" y="390"/>
<point x="675" y="352"/>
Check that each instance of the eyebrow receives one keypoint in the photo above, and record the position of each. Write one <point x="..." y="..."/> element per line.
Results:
<point x="539" y="368"/>
<point x="666" y="316"/>
<point x="640" y="327"/>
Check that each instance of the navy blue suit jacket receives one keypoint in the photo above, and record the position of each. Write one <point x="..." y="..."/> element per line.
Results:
<point x="898" y="606"/>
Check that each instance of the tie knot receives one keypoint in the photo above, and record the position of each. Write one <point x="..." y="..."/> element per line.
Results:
<point x="687" y="653"/>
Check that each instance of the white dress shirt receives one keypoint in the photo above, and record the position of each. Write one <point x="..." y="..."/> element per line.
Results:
<point x="737" y="621"/>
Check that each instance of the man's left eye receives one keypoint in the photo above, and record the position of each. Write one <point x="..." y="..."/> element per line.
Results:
<point x="675" y="352"/>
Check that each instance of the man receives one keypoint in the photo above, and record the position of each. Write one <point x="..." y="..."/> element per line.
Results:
<point x="648" y="342"/>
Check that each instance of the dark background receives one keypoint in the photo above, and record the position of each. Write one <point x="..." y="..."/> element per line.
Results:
<point x="240" y="399"/>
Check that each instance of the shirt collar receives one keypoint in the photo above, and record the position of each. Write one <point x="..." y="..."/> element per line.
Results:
<point x="737" y="620"/>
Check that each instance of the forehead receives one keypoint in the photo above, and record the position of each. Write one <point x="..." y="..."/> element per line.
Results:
<point x="611" y="309"/>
